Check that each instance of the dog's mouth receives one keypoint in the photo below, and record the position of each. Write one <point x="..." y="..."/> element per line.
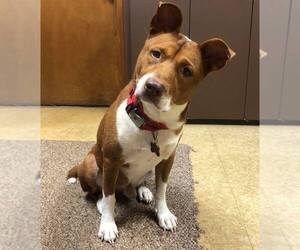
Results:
<point x="160" y="103"/>
<point x="149" y="98"/>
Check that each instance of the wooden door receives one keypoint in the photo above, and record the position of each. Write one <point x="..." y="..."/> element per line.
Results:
<point x="82" y="51"/>
<point x="222" y="94"/>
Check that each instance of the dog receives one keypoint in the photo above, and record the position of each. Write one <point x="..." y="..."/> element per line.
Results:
<point x="142" y="128"/>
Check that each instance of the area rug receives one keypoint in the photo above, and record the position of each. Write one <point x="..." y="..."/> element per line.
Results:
<point x="69" y="221"/>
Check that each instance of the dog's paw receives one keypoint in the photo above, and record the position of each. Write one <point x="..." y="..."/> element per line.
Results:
<point x="108" y="231"/>
<point x="72" y="180"/>
<point x="167" y="220"/>
<point x="144" y="194"/>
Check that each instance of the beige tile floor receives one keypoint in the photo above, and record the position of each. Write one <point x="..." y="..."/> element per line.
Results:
<point x="225" y="163"/>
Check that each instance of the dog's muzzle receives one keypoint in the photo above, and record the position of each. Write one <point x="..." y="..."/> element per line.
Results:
<point x="153" y="91"/>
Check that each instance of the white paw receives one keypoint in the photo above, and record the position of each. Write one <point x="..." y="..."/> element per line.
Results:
<point x="108" y="231"/>
<point x="72" y="180"/>
<point x="167" y="220"/>
<point x="145" y="194"/>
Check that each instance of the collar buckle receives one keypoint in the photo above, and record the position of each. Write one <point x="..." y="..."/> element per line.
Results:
<point x="137" y="120"/>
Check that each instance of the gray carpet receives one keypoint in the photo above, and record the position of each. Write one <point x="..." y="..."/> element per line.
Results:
<point x="69" y="221"/>
<point x="19" y="195"/>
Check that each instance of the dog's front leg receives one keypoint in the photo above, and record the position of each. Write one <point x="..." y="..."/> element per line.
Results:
<point x="166" y="219"/>
<point x="108" y="230"/>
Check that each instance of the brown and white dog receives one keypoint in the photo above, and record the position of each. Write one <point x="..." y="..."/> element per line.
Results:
<point x="141" y="129"/>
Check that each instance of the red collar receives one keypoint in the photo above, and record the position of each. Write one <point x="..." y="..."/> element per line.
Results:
<point x="136" y="113"/>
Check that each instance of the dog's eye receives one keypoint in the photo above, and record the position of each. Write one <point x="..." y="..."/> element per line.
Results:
<point x="155" y="53"/>
<point x="186" y="71"/>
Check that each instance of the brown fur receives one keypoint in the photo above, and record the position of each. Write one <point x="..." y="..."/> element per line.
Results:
<point x="176" y="52"/>
<point x="162" y="170"/>
<point x="167" y="19"/>
<point x="87" y="173"/>
<point x="177" y="131"/>
<point x="183" y="114"/>
<point x="215" y="53"/>
<point x="105" y="157"/>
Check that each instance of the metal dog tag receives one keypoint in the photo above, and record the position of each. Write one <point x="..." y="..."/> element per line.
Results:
<point x="153" y="146"/>
<point x="155" y="149"/>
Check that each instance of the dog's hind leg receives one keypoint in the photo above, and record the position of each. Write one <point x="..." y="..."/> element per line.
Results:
<point x="88" y="175"/>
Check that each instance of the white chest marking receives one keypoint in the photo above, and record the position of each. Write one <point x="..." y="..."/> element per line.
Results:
<point x="135" y="145"/>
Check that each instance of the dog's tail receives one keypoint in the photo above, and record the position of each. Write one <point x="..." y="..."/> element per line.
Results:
<point x="73" y="174"/>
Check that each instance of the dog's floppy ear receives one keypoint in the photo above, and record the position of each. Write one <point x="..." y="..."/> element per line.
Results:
<point x="167" y="19"/>
<point x="215" y="54"/>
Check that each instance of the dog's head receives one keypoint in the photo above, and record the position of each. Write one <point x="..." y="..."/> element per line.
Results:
<point x="170" y="65"/>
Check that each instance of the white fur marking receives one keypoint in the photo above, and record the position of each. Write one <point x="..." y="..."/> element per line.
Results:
<point x="169" y="113"/>
<point x="108" y="230"/>
<point x="141" y="83"/>
<point x="72" y="180"/>
<point x="170" y="117"/>
<point x="165" y="103"/>
<point x="145" y="194"/>
<point x="165" y="100"/>
<point x="166" y="219"/>
<point x="135" y="144"/>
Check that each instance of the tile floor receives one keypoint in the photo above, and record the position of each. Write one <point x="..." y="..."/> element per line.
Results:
<point x="225" y="163"/>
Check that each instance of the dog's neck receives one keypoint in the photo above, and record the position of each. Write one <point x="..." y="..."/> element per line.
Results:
<point x="147" y="116"/>
<point x="171" y="118"/>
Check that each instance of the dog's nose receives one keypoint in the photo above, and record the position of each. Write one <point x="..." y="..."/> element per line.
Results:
<point x="153" y="87"/>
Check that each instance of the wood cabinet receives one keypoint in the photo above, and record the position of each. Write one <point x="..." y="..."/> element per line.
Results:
<point x="222" y="94"/>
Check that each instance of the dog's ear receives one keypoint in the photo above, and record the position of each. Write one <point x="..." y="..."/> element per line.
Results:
<point x="215" y="54"/>
<point x="167" y="19"/>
